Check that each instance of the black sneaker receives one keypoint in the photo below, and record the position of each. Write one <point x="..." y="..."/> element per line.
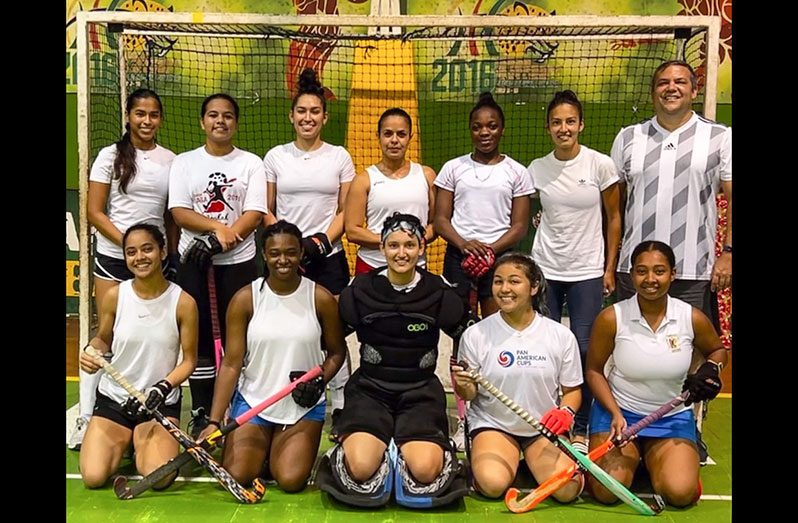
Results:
<point x="335" y="418"/>
<point x="197" y="423"/>
<point x="703" y="454"/>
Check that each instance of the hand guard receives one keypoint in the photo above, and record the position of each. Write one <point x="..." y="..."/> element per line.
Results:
<point x="476" y="266"/>
<point x="704" y="384"/>
<point x="157" y="394"/>
<point x="199" y="253"/>
<point x="315" y="247"/>
<point x="307" y="394"/>
<point x="557" y="421"/>
<point x="172" y="261"/>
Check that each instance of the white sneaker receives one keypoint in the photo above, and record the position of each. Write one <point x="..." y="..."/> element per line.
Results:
<point x="76" y="439"/>
<point x="459" y="436"/>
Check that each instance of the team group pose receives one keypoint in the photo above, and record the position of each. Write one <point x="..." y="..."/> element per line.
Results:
<point x="240" y="339"/>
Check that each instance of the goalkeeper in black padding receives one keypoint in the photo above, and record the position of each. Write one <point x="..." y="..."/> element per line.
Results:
<point x="395" y="398"/>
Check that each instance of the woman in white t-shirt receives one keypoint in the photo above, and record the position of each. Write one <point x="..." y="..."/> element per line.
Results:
<point x="651" y="338"/>
<point x="307" y="181"/>
<point x="128" y="184"/>
<point x="393" y="185"/>
<point x="575" y="183"/>
<point x="217" y="194"/>
<point x="148" y="327"/>
<point x="275" y="328"/>
<point x="482" y="202"/>
<point x="531" y="359"/>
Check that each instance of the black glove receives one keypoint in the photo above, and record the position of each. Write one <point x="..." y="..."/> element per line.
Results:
<point x="134" y="408"/>
<point x="315" y="247"/>
<point x="199" y="253"/>
<point x="704" y="384"/>
<point x="157" y="394"/>
<point x="306" y="394"/>
<point x="172" y="262"/>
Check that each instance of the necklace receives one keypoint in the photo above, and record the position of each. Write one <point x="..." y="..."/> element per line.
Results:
<point x="476" y="171"/>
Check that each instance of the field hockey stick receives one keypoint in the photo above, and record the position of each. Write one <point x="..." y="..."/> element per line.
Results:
<point x="218" y="351"/>
<point x="198" y="453"/>
<point x="555" y="482"/>
<point x="123" y="491"/>
<point x="610" y="483"/>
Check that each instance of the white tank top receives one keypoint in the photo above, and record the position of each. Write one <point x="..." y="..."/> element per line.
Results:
<point x="146" y="341"/>
<point x="283" y="335"/>
<point x="650" y="367"/>
<point x="409" y="195"/>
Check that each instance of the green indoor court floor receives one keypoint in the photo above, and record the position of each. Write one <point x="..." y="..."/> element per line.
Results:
<point x="195" y="497"/>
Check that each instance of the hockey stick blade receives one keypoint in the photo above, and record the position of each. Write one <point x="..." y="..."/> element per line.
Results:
<point x="123" y="491"/>
<point x="555" y="482"/>
<point x="198" y="453"/>
<point x="611" y="484"/>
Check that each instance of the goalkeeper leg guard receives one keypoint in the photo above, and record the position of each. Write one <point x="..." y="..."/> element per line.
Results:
<point x="334" y="479"/>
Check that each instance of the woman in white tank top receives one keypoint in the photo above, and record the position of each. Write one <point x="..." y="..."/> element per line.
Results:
<point x="651" y="337"/>
<point x="275" y="327"/>
<point x="395" y="184"/>
<point x="145" y="323"/>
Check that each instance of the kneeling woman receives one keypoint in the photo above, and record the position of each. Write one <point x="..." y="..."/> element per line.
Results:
<point x="398" y="312"/>
<point x="274" y="328"/>
<point x="145" y="322"/>
<point x="651" y="337"/>
<point x="530" y="358"/>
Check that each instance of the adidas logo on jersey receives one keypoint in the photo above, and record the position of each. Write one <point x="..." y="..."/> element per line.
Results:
<point x="670" y="147"/>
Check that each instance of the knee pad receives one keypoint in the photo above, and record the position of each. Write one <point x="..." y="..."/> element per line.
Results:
<point x="333" y="478"/>
<point x="449" y="486"/>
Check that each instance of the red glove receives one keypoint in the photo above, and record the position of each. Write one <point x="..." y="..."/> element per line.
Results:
<point x="558" y="420"/>
<point x="476" y="266"/>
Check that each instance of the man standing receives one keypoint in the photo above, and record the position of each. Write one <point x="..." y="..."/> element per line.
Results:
<point x="673" y="165"/>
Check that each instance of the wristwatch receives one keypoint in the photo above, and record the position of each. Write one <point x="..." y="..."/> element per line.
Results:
<point x="727" y="248"/>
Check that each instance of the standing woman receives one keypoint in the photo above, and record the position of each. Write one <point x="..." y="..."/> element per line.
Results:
<point x="575" y="183"/>
<point x="307" y="181"/>
<point x="398" y="312"/>
<point x="128" y="183"/>
<point x="532" y="359"/>
<point x="651" y="338"/>
<point x="482" y="203"/>
<point x="274" y="328"/>
<point x="146" y="323"/>
<point x="217" y="194"/>
<point x="395" y="184"/>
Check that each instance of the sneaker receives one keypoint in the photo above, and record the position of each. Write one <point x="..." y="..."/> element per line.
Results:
<point x="703" y="453"/>
<point x="459" y="436"/>
<point x="197" y="423"/>
<point x="335" y="417"/>
<point x="698" y="492"/>
<point x="76" y="439"/>
<point x="580" y="446"/>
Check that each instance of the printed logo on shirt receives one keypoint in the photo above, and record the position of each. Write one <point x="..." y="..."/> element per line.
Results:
<point x="378" y="182"/>
<point x="670" y="147"/>
<point x="674" y="344"/>
<point x="525" y="358"/>
<point x="217" y="185"/>
<point x="581" y="182"/>
<point x="506" y="358"/>
<point x="417" y="327"/>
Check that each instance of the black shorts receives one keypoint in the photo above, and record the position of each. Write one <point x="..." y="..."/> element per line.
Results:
<point x="107" y="408"/>
<point x="114" y="269"/>
<point x="523" y="441"/>
<point x="414" y="414"/>
<point x="331" y="272"/>
<point x="454" y="274"/>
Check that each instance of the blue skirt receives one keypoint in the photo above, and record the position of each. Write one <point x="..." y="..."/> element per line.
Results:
<point x="681" y="425"/>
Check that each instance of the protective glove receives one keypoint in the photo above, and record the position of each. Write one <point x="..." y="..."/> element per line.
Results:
<point x="558" y="420"/>
<point x="315" y="247"/>
<point x="476" y="266"/>
<point x="199" y="253"/>
<point x="306" y="394"/>
<point x="704" y="384"/>
<point x="157" y="394"/>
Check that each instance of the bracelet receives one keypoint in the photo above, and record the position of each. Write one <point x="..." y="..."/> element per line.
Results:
<point x="569" y="409"/>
